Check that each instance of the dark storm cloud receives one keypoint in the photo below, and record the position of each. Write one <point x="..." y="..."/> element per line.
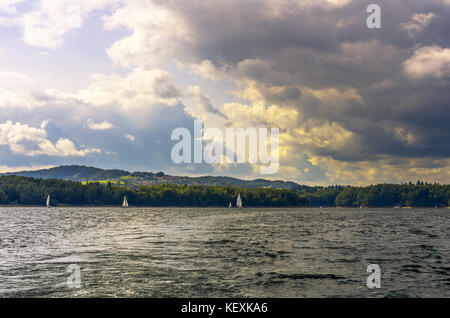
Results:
<point x="321" y="47"/>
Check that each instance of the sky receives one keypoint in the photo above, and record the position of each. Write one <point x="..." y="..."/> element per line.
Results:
<point x="105" y="82"/>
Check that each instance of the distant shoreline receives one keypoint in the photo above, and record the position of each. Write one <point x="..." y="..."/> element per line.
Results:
<point x="16" y="190"/>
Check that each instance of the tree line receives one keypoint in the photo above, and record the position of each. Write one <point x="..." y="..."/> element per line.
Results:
<point x="32" y="191"/>
<point x="420" y="194"/>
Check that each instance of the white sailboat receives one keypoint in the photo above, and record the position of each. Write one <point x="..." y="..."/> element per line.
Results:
<point x="239" y="201"/>
<point x="125" y="202"/>
<point x="48" y="202"/>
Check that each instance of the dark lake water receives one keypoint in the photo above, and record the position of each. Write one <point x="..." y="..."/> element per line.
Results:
<point x="210" y="252"/>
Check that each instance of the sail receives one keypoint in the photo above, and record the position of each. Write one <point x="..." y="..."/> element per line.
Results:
<point x="48" y="201"/>
<point x="239" y="201"/>
<point x="125" y="202"/>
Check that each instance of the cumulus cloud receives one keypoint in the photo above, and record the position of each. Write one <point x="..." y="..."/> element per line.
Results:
<point x="88" y="125"/>
<point x="99" y="126"/>
<point x="47" y="24"/>
<point x="138" y="90"/>
<point x="29" y="141"/>
<point x="431" y="61"/>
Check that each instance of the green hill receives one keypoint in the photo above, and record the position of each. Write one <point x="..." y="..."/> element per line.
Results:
<point x="133" y="180"/>
<point x="74" y="173"/>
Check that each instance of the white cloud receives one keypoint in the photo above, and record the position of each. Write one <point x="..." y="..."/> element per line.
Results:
<point x="63" y="147"/>
<point x="418" y="22"/>
<point x="99" y="126"/>
<point x="336" y="3"/>
<point x="157" y="34"/>
<point x="8" y="7"/>
<point x="204" y="69"/>
<point x="47" y="25"/>
<point x="140" y="89"/>
<point x="29" y="141"/>
<point x="50" y="123"/>
<point x="428" y="62"/>
<point x="14" y="78"/>
<point x="11" y="100"/>
<point x="202" y="100"/>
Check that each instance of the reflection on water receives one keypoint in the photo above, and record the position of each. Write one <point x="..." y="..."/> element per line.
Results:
<point x="210" y="252"/>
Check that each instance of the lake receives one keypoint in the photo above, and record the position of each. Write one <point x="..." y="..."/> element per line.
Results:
<point x="213" y="252"/>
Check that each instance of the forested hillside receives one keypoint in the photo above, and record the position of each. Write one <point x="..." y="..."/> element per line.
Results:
<point x="31" y="191"/>
<point x="381" y="195"/>
<point x="136" y="179"/>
